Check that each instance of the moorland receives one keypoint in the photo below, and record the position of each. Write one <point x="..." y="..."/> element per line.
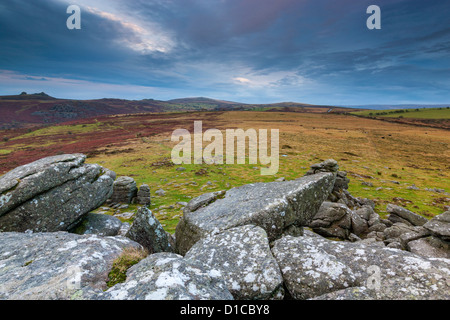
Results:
<point x="389" y="162"/>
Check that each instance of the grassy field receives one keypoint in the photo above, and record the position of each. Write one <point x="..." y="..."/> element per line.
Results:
<point x="423" y="113"/>
<point x="383" y="159"/>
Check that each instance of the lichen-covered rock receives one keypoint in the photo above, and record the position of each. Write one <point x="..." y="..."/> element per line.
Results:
<point x="124" y="190"/>
<point x="332" y="220"/>
<point x="400" y="214"/>
<point x="58" y="265"/>
<point x="431" y="247"/>
<point x="100" y="224"/>
<point x="308" y="270"/>
<point x="273" y="206"/>
<point x="167" y="276"/>
<point x="242" y="257"/>
<point x="147" y="231"/>
<point x="51" y="194"/>
<point x="440" y="225"/>
<point x="329" y="165"/>
<point x="403" y="233"/>
<point x="317" y="267"/>
<point x="25" y="182"/>
<point x="359" y="225"/>
<point x="143" y="195"/>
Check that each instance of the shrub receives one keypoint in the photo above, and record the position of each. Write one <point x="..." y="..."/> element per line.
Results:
<point x="128" y="258"/>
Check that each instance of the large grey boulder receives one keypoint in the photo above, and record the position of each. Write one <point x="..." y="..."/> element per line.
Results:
<point x="52" y="194"/>
<point x="400" y="214"/>
<point x="317" y="267"/>
<point x="167" y="276"/>
<point x="440" y="225"/>
<point x="99" y="224"/>
<point x="242" y="256"/>
<point x="57" y="265"/>
<point x="124" y="190"/>
<point x="147" y="231"/>
<point x="273" y="206"/>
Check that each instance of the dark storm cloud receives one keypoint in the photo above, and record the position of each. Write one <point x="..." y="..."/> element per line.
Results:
<point x="248" y="49"/>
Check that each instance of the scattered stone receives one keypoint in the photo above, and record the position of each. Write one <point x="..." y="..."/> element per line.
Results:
<point x="182" y="203"/>
<point x="147" y="231"/>
<point x="143" y="195"/>
<point x="160" y="192"/>
<point x="242" y="257"/>
<point x="167" y="276"/>
<point x="397" y="230"/>
<point x="180" y="169"/>
<point x="125" y="215"/>
<point x="440" y="225"/>
<point x="329" y="165"/>
<point x="400" y="214"/>
<point x="124" y="190"/>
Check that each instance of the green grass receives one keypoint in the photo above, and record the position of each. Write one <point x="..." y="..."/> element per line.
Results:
<point x="423" y="113"/>
<point x="4" y="151"/>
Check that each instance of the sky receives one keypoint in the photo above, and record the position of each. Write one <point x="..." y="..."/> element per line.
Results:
<point x="252" y="51"/>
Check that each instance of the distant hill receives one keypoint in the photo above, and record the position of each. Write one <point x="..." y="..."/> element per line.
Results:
<point x="26" y="110"/>
<point x="202" y="100"/>
<point x="26" y="96"/>
<point x="396" y="106"/>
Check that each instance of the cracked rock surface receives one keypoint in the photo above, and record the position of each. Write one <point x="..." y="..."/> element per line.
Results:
<point x="56" y="265"/>
<point x="168" y="276"/>
<point x="52" y="194"/>
<point x="243" y="258"/>
<point x="272" y="206"/>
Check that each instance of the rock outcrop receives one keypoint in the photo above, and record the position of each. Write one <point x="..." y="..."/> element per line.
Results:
<point x="52" y="194"/>
<point x="56" y="265"/>
<point x="245" y="243"/>
<point x="273" y="206"/>
<point x="317" y="267"/>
